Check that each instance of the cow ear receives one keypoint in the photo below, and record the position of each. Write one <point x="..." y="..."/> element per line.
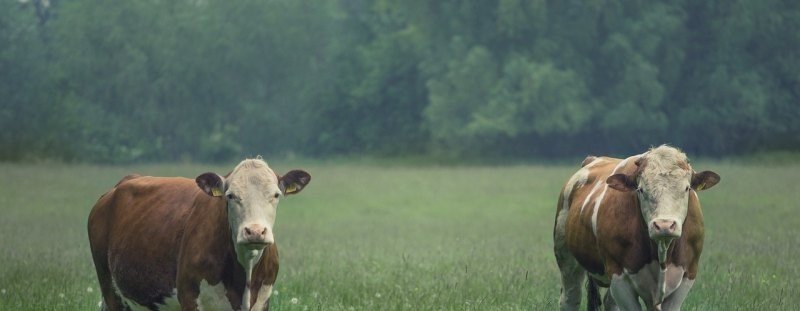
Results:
<point x="704" y="180"/>
<point x="621" y="182"/>
<point x="294" y="181"/>
<point x="211" y="183"/>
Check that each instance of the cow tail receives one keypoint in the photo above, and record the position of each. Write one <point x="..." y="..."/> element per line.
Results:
<point x="593" y="300"/>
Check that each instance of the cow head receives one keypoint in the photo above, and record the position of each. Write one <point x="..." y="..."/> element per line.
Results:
<point x="663" y="181"/>
<point x="252" y="191"/>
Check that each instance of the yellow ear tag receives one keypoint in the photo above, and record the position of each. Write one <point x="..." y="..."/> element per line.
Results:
<point x="291" y="188"/>
<point x="701" y="186"/>
<point x="216" y="192"/>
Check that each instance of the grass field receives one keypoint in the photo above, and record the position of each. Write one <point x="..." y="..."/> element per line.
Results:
<point x="371" y="237"/>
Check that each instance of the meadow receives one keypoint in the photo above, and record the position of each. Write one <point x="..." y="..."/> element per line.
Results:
<point x="369" y="236"/>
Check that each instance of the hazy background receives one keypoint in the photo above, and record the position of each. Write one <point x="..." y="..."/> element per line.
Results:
<point x="205" y="80"/>
<point x="162" y="87"/>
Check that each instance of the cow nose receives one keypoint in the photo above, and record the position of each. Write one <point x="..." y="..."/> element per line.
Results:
<point x="255" y="234"/>
<point x="665" y="227"/>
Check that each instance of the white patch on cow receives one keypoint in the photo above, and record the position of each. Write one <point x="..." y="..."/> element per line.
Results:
<point x="212" y="297"/>
<point x="663" y="248"/>
<point x="263" y="295"/>
<point x="561" y="229"/>
<point x="130" y="303"/>
<point x="591" y="193"/>
<point x="577" y="180"/>
<point x="597" y="208"/>
<point x="603" y="195"/>
<point x="171" y="302"/>
<point x="601" y="181"/>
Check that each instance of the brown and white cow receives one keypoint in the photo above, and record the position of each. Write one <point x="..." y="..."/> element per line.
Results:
<point x="635" y="226"/>
<point x="167" y="243"/>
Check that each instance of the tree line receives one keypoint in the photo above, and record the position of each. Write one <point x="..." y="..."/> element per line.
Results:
<point x="210" y="80"/>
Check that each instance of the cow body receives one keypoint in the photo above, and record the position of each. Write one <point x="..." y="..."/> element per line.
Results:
<point x="646" y="251"/>
<point x="165" y="244"/>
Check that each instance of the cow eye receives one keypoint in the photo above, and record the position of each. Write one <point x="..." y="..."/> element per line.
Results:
<point x="687" y="188"/>
<point x="232" y="196"/>
<point x="277" y="194"/>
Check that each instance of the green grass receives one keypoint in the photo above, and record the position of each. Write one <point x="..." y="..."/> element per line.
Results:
<point x="374" y="237"/>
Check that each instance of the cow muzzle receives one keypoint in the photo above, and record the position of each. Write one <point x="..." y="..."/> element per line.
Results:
<point x="256" y="237"/>
<point x="664" y="229"/>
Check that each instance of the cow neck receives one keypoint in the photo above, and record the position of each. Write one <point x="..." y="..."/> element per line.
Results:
<point x="247" y="258"/>
<point x="249" y="263"/>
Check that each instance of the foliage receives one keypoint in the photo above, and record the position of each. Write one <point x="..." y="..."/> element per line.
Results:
<point x="212" y="80"/>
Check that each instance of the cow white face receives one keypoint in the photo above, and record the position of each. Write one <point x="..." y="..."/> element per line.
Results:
<point x="252" y="191"/>
<point x="664" y="199"/>
<point x="663" y="183"/>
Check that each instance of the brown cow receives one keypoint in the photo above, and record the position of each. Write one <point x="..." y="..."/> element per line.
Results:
<point x="176" y="243"/>
<point x="635" y="226"/>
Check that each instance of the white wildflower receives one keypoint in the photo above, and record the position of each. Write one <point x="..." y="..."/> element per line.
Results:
<point x="89" y="289"/>
<point x="61" y="295"/>
<point x="3" y="291"/>
<point x="295" y="300"/>
<point x="377" y="295"/>
<point x="275" y="292"/>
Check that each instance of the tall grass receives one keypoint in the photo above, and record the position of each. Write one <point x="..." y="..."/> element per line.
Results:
<point x="371" y="237"/>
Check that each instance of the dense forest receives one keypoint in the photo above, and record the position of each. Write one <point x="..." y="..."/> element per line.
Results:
<point x="209" y="80"/>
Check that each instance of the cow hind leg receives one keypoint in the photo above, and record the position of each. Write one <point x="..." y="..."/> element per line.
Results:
<point x="572" y="278"/>
<point x="111" y="301"/>
<point x="592" y="295"/>
<point x="572" y="274"/>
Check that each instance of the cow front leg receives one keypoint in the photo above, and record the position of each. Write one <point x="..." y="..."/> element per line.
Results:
<point x="608" y="302"/>
<point x="675" y="300"/>
<point x="111" y="301"/>
<point x="623" y="293"/>
<point x="572" y="277"/>
<point x="187" y="295"/>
